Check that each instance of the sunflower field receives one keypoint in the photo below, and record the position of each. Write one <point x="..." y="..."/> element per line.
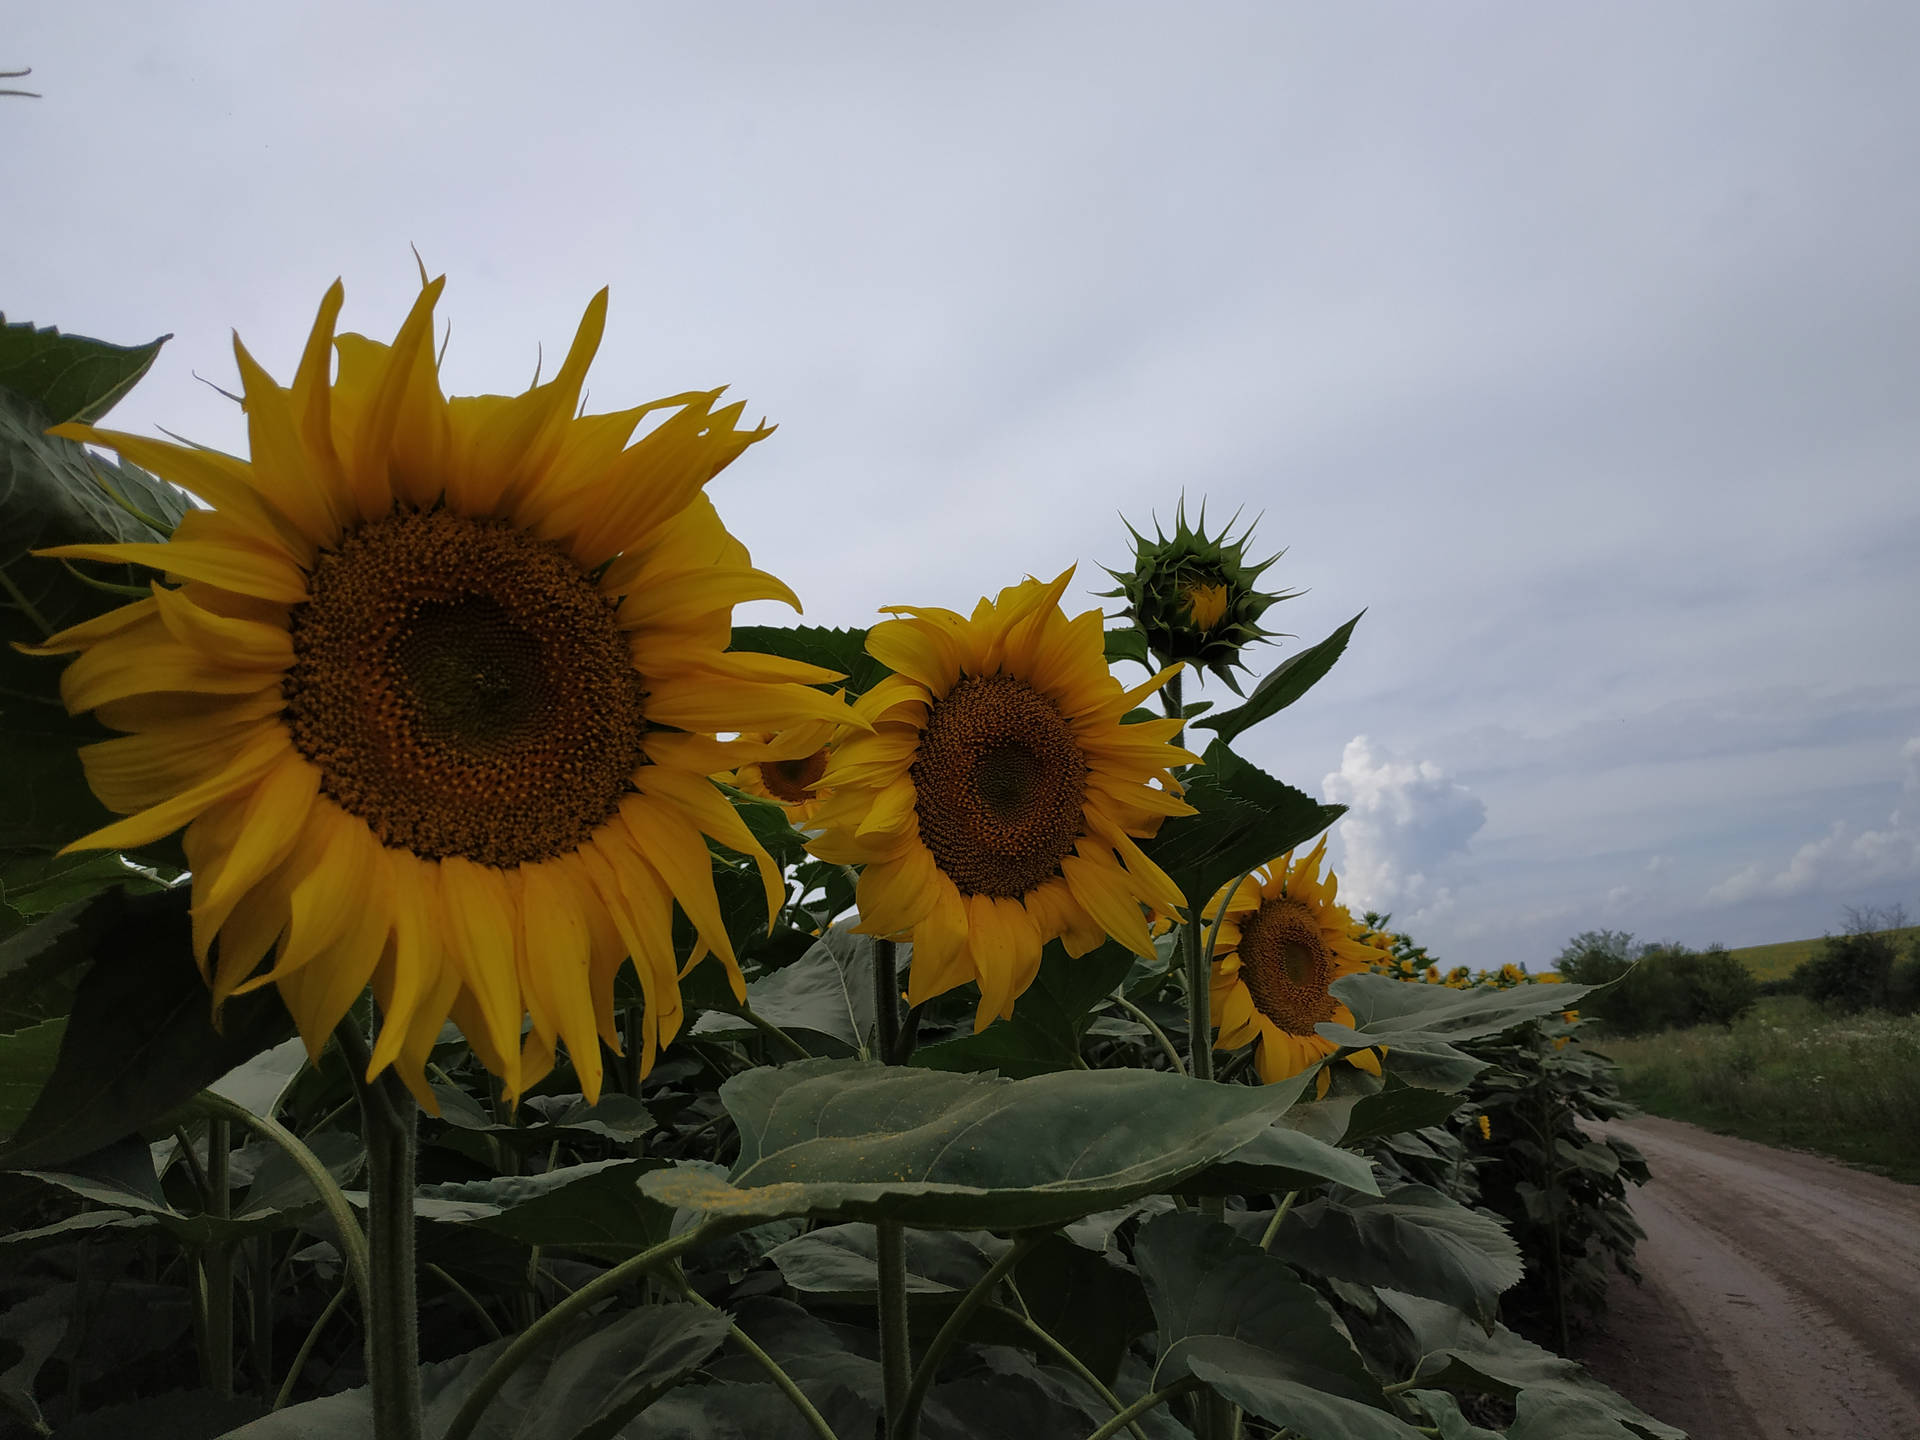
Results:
<point x="456" y="983"/>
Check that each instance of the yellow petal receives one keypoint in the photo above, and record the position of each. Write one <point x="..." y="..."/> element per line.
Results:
<point x="481" y="931"/>
<point x="241" y="644"/>
<point x="264" y="827"/>
<point x="559" y="951"/>
<point x="257" y="757"/>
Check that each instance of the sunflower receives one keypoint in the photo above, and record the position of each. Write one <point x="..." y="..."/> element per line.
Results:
<point x="996" y="802"/>
<point x="434" y="691"/>
<point x="789" y="768"/>
<point x="1283" y="941"/>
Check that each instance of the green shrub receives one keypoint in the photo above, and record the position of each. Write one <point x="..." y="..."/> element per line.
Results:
<point x="1855" y="971"/>
<point x="1671" y="986"/>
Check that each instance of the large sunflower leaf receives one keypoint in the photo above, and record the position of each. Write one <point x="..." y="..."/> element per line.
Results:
<point x="140" y="1039"/>
<point x="824" y="999"/>
<point x="1049" y="1020"/>
<point x="1413" y="1238"/>
<point x="1419" y="1024"/>
<point x="965" y="1152"/>
<point x="1242" y="1322"/>
<point x="840" y="1263"/>
<point x="70" y="377"/>
<point x="1456" y="1354"/>
<point x="26" y="1059"/>
<point x="54" y="492"/>
<point x="1244" y="818"/>
<point x="842" y="650"/>
<point x="1282" y="686"/>
<point x="584" y="1381"/>
<point x="1281" y="1158"/>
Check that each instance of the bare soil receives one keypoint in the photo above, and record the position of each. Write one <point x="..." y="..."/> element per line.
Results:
<point x="1782" y="1294"/>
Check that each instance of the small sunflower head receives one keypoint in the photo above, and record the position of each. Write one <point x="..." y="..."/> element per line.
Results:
<point x="1195" y="597"/>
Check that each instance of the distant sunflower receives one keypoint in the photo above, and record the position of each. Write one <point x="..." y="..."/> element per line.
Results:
<point x="435" y="692"/>
<point x="789" y="768"/>
<point x="996" y="802"/>
<point x="1284" y="940"/>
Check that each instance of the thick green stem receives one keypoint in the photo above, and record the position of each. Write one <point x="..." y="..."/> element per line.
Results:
<point x="388" y="1115"/>
<point x="890" y="1237"/>
<point x="1199" y="1002"/>
<point x="218" y="1262"/>
<point x="786" y="1384"/>
<point x="1141" y="1406"/>
<point x="1279" y="1215"/>
<point x="543" y="1329"/>
<point x="906" y="1419"/>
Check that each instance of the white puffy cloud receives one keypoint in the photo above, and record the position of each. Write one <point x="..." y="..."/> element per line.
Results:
<point x="1404" y="821"/>
<point x="1842" y="860"/>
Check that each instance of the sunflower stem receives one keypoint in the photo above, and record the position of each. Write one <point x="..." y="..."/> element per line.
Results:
<point x="890" y="1237"/>
<point x="218" y="1262"/>
<point x="548" y="1325"/>
<point x="904" y="1421"/>
<point x="388" y="1115"/>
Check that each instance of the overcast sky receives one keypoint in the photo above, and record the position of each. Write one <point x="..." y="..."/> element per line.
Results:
<point x="1577" y="343"/>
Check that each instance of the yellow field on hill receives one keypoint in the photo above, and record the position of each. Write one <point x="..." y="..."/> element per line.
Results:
<point x="1775" y="962"/>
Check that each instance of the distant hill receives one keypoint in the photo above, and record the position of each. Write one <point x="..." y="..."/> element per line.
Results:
<point x="1777" y="961"/>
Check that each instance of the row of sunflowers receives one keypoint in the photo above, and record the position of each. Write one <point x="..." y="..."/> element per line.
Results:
<point x="437" y="932"/>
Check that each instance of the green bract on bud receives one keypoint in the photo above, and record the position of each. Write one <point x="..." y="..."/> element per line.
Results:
<point x="1194" y="596"/>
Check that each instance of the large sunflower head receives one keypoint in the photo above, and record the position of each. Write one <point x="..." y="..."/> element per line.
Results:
<point x="1283" y="940"/>
<point x="433" y="687"/>
<point x="996" y="802"/>
<point x="1196" y="597"/>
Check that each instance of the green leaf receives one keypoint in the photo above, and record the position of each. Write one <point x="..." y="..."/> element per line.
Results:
<point x="1419" y="1023"/>
<point x="824" y="999"/>
<point x="34" y="1329"/>
<point x="1245" y="818"/>
<point x="840" y="1264"/>
<point x="70" y="377"/>
<point x="1247" y="1326"/>
<point x="1456" y="1354"/>
<point x="1128" y="644"/>
<point x="942" y="1150"/>
<point x="140" y="1041"/>
<point x="585" y="1382"/>
<point x="748" y="1412"/>
<point x="1414" y="1238"/>
<point x="26" y="1059"/>
<point x="54" y="492"/>
<point x="36" y="885"/>
<point x="1279" y="1159"/>
<point x="1086" y="1301"/>
<point x="1048" y="1023"/>
<point x="842" y="650"/>
<point x="1287" y="683"/>
<point x="594" y="1208"/>
<point x="1444" y="1411"/>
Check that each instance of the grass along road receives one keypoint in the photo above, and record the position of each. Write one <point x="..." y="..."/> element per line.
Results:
<point x="1789" y="1074"/>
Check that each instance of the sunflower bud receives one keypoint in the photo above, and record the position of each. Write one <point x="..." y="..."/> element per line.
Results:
<point x="1193" y="596"/>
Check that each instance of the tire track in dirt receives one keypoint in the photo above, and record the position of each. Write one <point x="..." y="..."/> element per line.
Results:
<point x="1782" y="1297"/>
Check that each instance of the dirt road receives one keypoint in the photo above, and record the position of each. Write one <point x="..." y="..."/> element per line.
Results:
<point x="1782" y="1299"/>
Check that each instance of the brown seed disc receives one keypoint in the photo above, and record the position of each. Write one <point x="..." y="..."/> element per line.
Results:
<point x="793" y="780"/>
<point x="1287" y="966"/>
<point x="1000" y="786"/>
<point x="464" y="689"/>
